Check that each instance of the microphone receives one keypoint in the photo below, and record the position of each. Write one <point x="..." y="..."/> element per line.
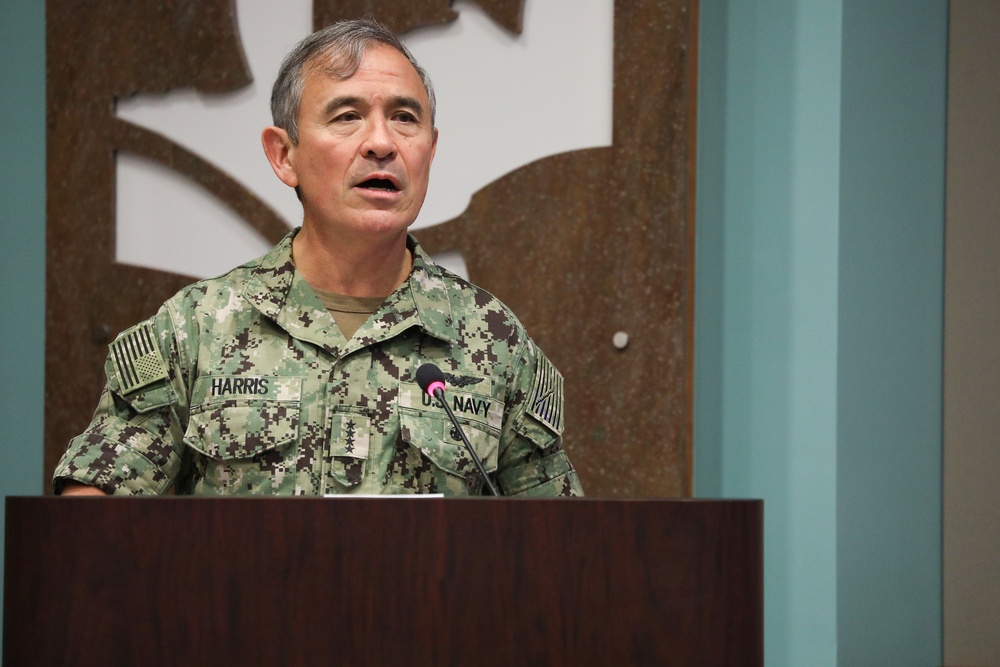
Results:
<point x="431" y="379"/>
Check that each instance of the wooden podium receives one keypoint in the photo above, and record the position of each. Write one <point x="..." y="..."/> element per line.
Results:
<point x="385" y="581"/>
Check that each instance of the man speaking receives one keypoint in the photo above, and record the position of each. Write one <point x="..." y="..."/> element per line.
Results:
<point x="295" y="374"/>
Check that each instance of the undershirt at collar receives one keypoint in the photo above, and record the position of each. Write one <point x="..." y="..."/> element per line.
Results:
<point x="349" y="312"/>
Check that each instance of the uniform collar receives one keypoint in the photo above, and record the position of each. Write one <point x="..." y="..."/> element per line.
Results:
<point x="278" y="291"/>
<point x="424" y="296"/>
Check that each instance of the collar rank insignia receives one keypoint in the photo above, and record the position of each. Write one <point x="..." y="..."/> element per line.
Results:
<point x="137" y="358"/>
<point x="545" y="402"/>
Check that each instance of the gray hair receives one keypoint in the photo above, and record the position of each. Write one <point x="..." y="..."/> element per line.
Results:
<point x="342" y="45"/>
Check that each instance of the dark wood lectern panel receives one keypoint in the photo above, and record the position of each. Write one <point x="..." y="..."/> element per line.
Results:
<point x="392" y="581"/>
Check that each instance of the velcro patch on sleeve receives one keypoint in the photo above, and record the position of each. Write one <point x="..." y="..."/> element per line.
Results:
<point x="137" y="359"/>
<point x="546" y="399"/>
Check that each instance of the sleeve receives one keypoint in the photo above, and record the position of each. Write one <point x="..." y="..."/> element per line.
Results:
<point x="134" y="443"/>
<point x="532" y="461"/>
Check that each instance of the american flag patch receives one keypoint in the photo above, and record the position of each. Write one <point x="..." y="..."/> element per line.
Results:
<point x="137" y="358"/>
<point x="546" y="401"/>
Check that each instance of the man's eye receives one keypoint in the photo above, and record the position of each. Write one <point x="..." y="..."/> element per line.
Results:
<point x="406" y="117"/>
<point x="347" y="116"/>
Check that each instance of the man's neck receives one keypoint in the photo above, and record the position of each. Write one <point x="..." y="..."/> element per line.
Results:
<point x="360" y="269"/>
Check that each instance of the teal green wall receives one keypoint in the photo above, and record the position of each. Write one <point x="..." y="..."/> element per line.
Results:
<point x="819" y="313"/>
<point x="768" y="235"/>
<point x="890" y="327"/>
<point x="22" y="245"/>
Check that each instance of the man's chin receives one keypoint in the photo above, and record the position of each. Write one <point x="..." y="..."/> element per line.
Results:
<point x="376" y="225"/>
<point x="363" y="222"/>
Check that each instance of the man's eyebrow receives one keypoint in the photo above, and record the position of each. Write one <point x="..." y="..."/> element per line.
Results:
<point x="412" y="103"/>
<point x="397" y="102"/>
<point x="342" y="101"/>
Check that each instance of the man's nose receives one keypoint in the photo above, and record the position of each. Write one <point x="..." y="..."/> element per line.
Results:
<point x="379" y="142"/>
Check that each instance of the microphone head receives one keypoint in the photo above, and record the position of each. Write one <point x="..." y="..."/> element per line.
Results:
<point x="430" y="378"/>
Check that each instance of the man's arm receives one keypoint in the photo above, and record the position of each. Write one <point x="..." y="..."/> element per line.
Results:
<point x="132" y="446"/>
<point x="78" y="489"/>
<point x="532" y="461"/>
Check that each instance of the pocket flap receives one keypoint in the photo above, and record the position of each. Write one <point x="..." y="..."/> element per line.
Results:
<point x="225" y="431"/>
<point x="435" y="437"/>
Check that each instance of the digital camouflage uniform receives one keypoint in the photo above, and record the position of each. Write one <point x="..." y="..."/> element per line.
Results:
<point x="245" y="385"/>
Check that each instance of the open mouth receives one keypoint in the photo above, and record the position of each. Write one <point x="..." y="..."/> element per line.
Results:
<point x="381" y="184"/>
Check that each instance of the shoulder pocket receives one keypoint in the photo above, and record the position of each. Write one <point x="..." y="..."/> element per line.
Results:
<point x="151" y="394"/>
<point x="134" y="359"/>
<point x="148" y="399"/>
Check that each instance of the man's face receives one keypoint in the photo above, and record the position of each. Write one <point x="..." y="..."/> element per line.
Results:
<point x="365" y="146"/>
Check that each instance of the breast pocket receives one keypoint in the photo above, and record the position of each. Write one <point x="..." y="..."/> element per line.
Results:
<point x="244" y="444"/>
<point x="439" y="461"/>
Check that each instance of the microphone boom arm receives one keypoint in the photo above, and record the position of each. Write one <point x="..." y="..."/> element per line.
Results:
<point x="438" y="391"/>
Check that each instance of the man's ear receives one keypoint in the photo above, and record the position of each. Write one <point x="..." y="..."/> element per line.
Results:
<point x="278" y="147"/>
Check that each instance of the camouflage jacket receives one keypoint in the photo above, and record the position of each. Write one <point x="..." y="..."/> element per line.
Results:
<point x="245" y="385"/>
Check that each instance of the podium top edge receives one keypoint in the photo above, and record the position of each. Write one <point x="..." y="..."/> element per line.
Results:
<point x="397" y="498"/>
